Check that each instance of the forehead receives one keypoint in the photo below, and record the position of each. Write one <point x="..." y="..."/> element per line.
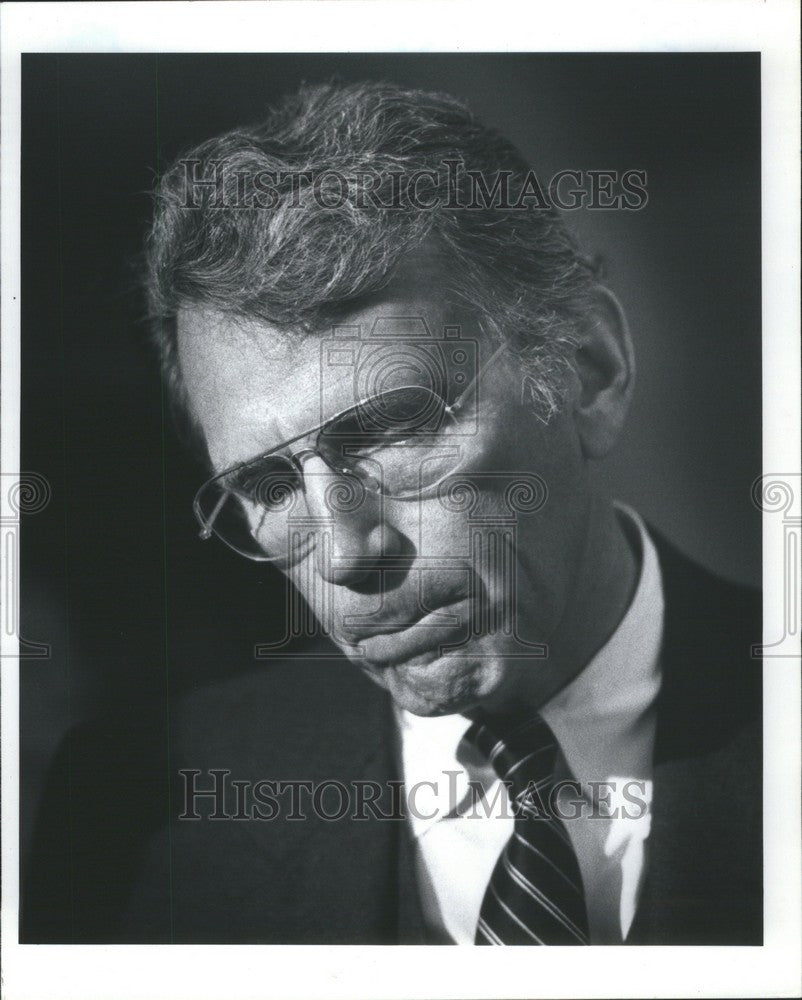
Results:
<point x="251" y="385"/>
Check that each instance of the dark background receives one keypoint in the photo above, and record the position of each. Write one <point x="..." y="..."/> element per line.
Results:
<point x="134" y="608"/>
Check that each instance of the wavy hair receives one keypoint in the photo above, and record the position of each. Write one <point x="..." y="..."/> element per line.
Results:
<point x="298" y="263"/>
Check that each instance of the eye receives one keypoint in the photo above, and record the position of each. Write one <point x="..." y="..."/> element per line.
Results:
<point x="270" y="482"/>
<point x="370" y="445"/>
<point x="386" y="421"/>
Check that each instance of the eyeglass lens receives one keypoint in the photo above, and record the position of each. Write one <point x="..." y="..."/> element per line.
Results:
<point x="395" y="444"/>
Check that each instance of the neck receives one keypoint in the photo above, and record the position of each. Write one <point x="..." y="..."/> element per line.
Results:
<point x="607" y="576"/>
<point x="603" y="587"/>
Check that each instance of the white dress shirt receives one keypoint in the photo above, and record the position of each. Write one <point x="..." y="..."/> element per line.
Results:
<point x="604" y="724"/>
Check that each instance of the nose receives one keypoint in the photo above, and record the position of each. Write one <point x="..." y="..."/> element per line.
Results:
<point x="352" y="536"/>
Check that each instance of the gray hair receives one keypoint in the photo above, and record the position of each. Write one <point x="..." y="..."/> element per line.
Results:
<point x="298" y="259"/>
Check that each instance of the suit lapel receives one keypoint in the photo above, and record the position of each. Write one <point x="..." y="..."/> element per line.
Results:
<point x="375" y="854"/>
<point x="355" y="878"/>
<point x="345" y="886"/>
<point x="702" y="884"/>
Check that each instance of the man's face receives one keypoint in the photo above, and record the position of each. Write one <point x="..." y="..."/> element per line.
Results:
<point x="440" y="599"/>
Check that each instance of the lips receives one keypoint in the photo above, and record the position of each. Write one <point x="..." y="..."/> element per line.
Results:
<point x="388" y="643"/>
<point x="388" y="619"/>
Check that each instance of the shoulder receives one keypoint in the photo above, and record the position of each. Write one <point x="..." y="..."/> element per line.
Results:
<point x="315" y="709"/>
<point x="114" y="793"/>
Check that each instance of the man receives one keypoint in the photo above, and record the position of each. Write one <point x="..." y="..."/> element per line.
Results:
<point x="543" y="720"/>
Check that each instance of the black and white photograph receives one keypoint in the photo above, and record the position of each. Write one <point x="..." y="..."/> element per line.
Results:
<point x="388" y="531"/>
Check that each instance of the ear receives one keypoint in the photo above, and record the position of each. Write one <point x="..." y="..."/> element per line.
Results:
<point x="605" y="368"/>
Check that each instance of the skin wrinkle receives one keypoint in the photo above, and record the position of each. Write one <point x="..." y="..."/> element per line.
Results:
<point x="576" y="573"/>
<point x="241" y="299"/>
<point x="520" y="273"/>
<point x="238" y="334"/>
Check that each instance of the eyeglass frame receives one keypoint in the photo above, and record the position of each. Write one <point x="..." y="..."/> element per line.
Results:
<point x="452" y="409"/>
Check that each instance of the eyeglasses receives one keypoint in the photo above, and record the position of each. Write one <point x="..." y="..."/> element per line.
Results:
<point x="401" y="443"/>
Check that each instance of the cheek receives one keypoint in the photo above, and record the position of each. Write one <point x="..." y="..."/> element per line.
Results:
<point x="440" y="532"/>
<point x="523" y="559"/>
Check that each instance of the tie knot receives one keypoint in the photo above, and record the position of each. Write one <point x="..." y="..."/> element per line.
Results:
<point x="521" y="750"/>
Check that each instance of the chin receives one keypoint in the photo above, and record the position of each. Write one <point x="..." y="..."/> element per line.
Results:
<point x="432" y="685"/>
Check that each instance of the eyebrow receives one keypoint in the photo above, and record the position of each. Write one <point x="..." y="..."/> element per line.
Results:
<point x="463" y="399"/>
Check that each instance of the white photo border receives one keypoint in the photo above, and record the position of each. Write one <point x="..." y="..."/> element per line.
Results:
<point x="88" y="971"/>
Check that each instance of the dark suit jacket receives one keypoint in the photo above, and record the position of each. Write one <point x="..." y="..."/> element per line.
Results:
<point x="113" y="862"/>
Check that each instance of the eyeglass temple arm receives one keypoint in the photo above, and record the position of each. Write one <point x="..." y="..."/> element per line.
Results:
<point x="457" y="405"/>
<point x="208" y="524"/>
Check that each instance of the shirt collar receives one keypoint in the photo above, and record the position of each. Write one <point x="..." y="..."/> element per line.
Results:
<point x="601" y="720"/>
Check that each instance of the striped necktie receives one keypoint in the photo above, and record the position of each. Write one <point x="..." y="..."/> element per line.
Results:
<point x="535" y="893"/>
